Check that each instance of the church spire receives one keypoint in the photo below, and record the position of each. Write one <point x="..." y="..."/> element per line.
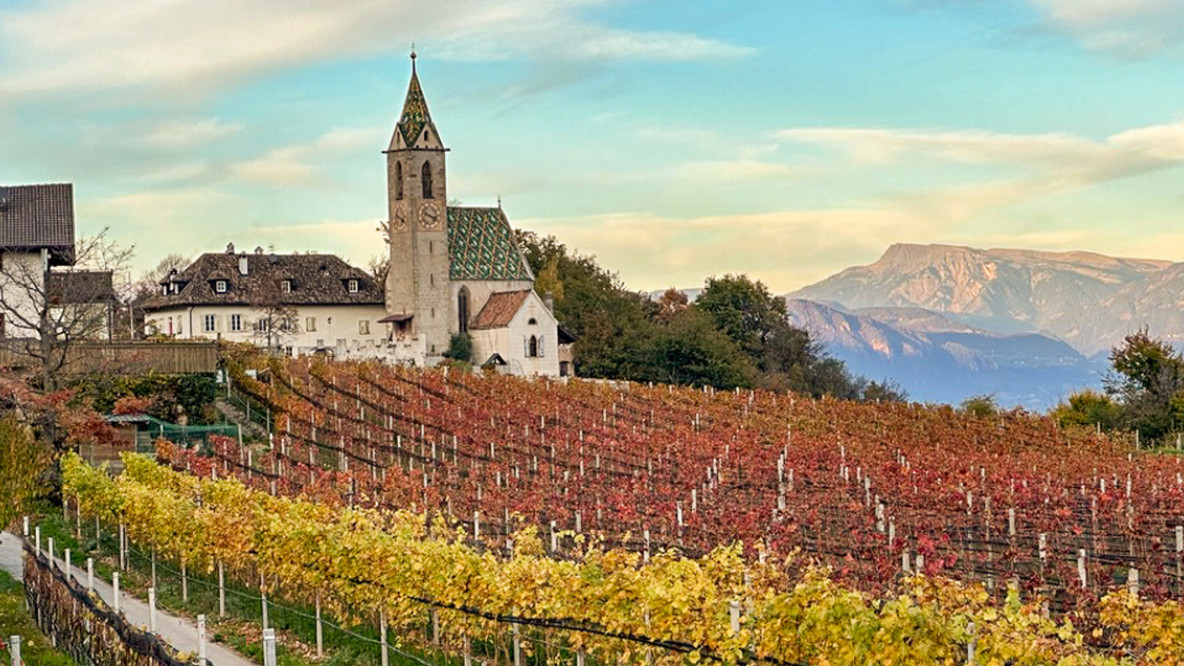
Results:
<point x="415" y="128"/>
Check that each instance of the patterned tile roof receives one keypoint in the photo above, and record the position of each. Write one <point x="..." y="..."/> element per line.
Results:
<point x="35" y="217"/>
<point x="481" y="246"/>
<point x="415" y="112"/>
<point x="500" y="309"/>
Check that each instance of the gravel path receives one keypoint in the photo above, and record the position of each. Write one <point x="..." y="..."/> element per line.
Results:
<point x="178" y="632"/>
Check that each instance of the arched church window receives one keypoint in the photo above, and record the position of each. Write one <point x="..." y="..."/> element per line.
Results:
<point x="398" y="180"/>
<point x="532" y="348"/>
<point x="426" y="178"/>
<point x="462" y="309"/>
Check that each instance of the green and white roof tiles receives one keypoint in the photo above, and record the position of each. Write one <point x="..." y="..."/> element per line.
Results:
<point x="481" y="246"/>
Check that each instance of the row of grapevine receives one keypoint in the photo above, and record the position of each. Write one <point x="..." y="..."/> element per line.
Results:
<point x="871" y="490"/>
<point x="359" y="563"/>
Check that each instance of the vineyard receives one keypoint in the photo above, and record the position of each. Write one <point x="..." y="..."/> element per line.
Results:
<point x="871" y="490"/>
<point x="737" y="526"/>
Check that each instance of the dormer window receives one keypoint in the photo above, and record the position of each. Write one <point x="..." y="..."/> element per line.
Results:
<point x="220" y="286"/>
<point x="172" y="287"/>
<point x="286" y="286"/>
<point x="352" y="286"/>
<point x="164" y="290"/>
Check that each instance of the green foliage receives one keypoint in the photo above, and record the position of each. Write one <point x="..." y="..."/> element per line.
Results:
<point x="691" y="351"/>
<point x="736" y="334"/>
<point x="460" y="348"/>
<point x="980" y="405"/>
<point x="1089" y="409"/>
<point x="23" y="463"/>
<point x="172" y="395"/>
<point x="1148" y="381"/>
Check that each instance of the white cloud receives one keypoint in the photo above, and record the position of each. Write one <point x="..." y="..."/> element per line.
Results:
<point x="738" y="170"/>
<point x="300" y="164"/>
<point x="785" y="249"/>
<point x="1051" y="162"/>
<point x="1128" y="27"/>
<point x="188" y="133"/>
<point x="183" y="47"/>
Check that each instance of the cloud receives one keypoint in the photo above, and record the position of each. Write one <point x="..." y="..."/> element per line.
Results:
<point x="186" y="47"/>
<point x="187" y="133"/>
<point x="738" y="170"/>
<point x="785" y="249"/>
<point x="1051" y="162"/>
<point x="1127" y="27"/>
<point x="301" y="164"/>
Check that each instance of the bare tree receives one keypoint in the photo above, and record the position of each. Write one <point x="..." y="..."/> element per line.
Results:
<point x="275" y="321"/>
<point x="45" y="312"/>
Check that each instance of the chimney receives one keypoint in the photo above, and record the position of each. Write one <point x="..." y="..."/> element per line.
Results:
<point x="243" y="265"/>
<point x="230" y="248"/>
<point x="549" y="301"/>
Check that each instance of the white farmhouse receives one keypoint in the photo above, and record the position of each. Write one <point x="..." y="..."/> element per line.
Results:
<point x="36" y="234"/>
<point x="297" y="303"/>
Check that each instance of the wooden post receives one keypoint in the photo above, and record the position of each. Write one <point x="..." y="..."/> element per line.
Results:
<point x="221" y="590"/>
<point x="971" y="644"/>
<point x="269" y="647"/>
<point x="1081" y="567"/>
<point x="468" y="652"/>
<point x="201" y="639"/>
<point x="263" y="599"/>
<point x="153" y="560"/>
<point x="51" y="553"/>
<point x="37" y="538"/>
<point x="152" y="610"/>
<point x="382" y="637"/>
<point x="184" y="582"/>
<point x="14" y="648"/>
<point x="90" y="575"/>
<point x="122" y="547"/>
<point x="320" y="629"/>
<point x="517" y="646"/>
<point x="115" y="595"/>
<point x="734" y="613"/>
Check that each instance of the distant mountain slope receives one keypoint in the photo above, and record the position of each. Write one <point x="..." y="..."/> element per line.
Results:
<point x="1088" y="300"/>
<point x="939" y="360"/>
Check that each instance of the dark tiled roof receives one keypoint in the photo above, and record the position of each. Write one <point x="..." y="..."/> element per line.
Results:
<point x="481" y="246"/>
<point x="316" y="279"/>
<point x="500" y="309"/>
<point x="35" y="217"/>
<point x="80" y="287"/>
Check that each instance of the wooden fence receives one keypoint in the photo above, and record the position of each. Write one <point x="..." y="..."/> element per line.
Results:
<point x="125" y="357"/>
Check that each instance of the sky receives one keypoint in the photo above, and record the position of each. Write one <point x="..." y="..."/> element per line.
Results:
<point x="784" y="139"/>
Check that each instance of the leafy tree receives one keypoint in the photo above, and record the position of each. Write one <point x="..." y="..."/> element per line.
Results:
<point x="980" y="405"/>
<point x="1148" y="381"/>
<point x="23" y="461"/>
<point x="614" y="331"/>
<point x="460" y="348"/>
<point x="691" y="351"/>
<point x="1088" y="408"/>
<point x="783" y="355"/>
<point x="883" y="391"/>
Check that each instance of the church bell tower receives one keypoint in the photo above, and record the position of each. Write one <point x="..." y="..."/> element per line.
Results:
<point x="418" y="280"/>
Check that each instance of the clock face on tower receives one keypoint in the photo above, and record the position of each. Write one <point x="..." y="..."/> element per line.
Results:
<point x="400" y="223"/>
<point x="429" y="215"/>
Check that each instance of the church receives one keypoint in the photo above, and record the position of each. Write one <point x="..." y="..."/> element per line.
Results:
<point x="458" y="269"/>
